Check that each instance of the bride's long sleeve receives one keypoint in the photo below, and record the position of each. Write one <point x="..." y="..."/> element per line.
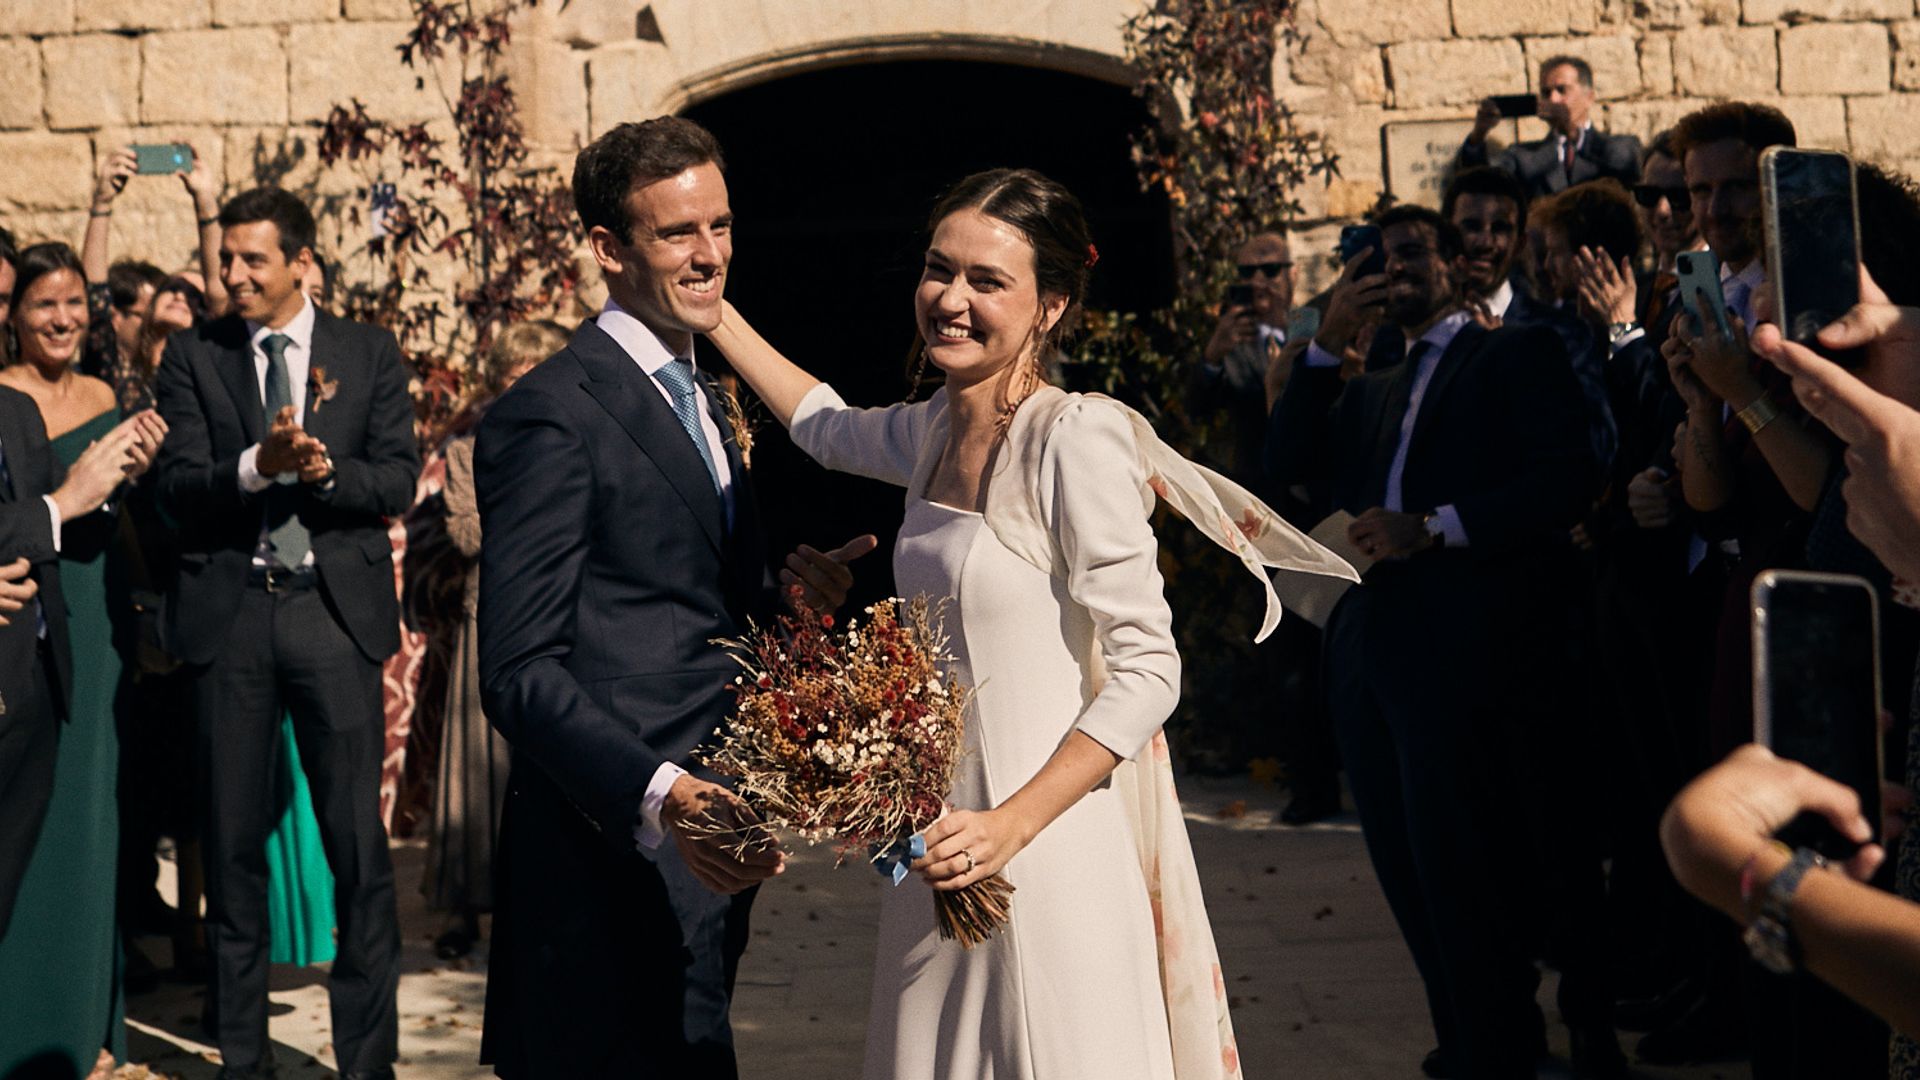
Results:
<point x="1091" y="485"/>
<point x="882" y="444"/>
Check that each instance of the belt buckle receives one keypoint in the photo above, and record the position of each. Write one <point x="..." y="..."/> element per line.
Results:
<point x="276" y="579"/>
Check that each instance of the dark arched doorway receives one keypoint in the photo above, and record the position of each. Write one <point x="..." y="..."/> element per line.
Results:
<point x="831" y="175"/>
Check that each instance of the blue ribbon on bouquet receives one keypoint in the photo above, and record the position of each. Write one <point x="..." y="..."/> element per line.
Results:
<point x="892" y="863"/>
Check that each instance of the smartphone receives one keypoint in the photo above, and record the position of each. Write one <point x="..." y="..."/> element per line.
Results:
<point x="1813" y="242"/>
<point x="1514" y="106"/>
<point x="1816" y="689"/>
<point x="158" y="159"/>
<point x="1699" y="272"/>
<point x="1239" y="295"/>
<point x="1356" y="238"/>
<point x="1303" y="323"/>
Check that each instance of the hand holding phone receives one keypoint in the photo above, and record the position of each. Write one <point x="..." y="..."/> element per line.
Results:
<point x="161" y="159"/>
<point x="1516" y="106"/>
<point x="1813" y="243"/>
<point x="1816" y="689"/>
<point x="1700" y="292"/>
<point x="1357" y="238"/>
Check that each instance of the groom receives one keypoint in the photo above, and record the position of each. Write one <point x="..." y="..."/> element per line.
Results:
<point x="622" y="538"/>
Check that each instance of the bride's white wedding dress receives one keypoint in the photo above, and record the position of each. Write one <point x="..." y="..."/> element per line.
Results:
<point x="1107" y="968"/>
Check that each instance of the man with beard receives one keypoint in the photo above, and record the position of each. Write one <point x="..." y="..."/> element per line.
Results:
<point x="1489" y="208"/>
<point x="1461" y="455"/>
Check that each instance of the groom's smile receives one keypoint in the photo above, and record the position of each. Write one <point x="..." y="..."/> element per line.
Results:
<point x="672" y="271"/>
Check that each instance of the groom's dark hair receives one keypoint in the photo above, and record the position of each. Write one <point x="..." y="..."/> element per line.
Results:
<point x="633" y="156"/>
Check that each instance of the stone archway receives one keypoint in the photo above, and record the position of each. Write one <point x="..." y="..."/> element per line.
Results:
<point x="832" y="170"/>
<point x="647" y="59"/>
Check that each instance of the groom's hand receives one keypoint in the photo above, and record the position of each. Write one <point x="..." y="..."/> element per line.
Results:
<point x="821" y="581"/>
<point x="719" y="837"/>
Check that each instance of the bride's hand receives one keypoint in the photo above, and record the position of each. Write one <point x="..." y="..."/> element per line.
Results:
<point x="968" y="846"/>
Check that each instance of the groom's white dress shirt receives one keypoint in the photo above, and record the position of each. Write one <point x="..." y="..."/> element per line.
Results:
<point x="646" y="350"/>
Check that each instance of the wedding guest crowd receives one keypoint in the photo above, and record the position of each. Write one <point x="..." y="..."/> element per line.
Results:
<point x="1561" y="485"/>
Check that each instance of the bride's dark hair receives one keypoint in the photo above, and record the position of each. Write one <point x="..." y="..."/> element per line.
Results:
<point x="1051" y="219"/>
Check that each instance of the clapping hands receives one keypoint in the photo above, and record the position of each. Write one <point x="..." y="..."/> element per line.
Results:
<point x="1608" y="294"/>
<point x="123" y="454"/>
<point x="289" y="449"/>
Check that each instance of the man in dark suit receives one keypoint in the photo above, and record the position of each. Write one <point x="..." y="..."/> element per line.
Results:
<point x="1488" y="207"/>
<point x="1461" y="456"/>
<point x="1573" y="152"/>
<point x="46" y="512"/>
<point x="292" y="443"/>
<point x="622" y="538"/>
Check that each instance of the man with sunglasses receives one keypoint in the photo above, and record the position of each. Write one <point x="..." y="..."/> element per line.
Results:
<point x="1246" y="339"/>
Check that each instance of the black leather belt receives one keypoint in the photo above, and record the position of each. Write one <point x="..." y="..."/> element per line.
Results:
<point x="278" y="579"/>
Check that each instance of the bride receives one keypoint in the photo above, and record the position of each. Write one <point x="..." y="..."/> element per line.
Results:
<point x="1029" y="507"/>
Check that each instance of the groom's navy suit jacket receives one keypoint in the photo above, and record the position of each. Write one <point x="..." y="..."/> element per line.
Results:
<point x="607" y="569"/>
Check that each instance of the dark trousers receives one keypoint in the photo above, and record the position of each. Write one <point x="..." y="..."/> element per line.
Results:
<point x="1305" y="732"/>
<point x="1419" y="712"/>
<point x="29" y="745"/>
<point x="604" y="963"/>
<point x="287" y="652"/>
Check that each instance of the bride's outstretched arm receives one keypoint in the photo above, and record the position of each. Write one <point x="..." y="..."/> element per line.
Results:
<point x="775" y="379"/>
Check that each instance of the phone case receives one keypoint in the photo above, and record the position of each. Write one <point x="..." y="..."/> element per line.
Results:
<point x="1770" y="213"/>
<point x="153" y="159"/>
<point x="1700" y="272"/>
<point x="1761" y="596"/>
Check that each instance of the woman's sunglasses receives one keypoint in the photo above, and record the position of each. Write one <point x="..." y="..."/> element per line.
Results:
<point x="1649" y="196"/>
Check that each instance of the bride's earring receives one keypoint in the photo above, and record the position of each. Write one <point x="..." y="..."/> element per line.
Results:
<point x="919" y="370"/>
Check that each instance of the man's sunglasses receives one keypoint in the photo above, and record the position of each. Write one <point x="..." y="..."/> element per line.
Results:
<point x="1271" y="269"/>
<point x="1649" y="196"/>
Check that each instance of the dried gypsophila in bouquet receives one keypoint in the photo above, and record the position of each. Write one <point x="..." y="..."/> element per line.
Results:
<point x="852" y="738"/>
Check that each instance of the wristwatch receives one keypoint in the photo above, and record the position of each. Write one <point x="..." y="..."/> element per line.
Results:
<point x="1616" y="331"/>
<point x="1770" y="936"/>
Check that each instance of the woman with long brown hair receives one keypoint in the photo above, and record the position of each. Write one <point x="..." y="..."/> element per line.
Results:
<point x="1028" y="506"/>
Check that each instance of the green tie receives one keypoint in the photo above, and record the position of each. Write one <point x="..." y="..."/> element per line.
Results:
<point x="289" y="538"/>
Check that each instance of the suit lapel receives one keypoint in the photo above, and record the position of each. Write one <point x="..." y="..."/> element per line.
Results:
<point x="324" y="358"/>
<point x="628" y="396"/>
<point x="1463" y="343"/>
<point x="13" y="443"/>
<point x="235" y="364"/>
<point x="744" y="546"/>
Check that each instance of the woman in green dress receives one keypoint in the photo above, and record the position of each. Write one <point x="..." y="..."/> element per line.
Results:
<point x="60" y="1000"/>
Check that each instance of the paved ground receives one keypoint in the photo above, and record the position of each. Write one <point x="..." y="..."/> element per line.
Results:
<point x="1322" y="987"/>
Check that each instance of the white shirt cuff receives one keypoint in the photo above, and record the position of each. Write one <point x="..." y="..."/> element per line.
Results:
<point x="649" y="832"/>
<point x="1446" y="522"/>
<point x="1319" y="357"/>
<point x="251" y="481"/>
<point x="53" y="512"/>
<point x="1627" y="339"/>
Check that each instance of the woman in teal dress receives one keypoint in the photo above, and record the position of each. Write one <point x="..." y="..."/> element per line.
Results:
<point x="60" y="1000"/>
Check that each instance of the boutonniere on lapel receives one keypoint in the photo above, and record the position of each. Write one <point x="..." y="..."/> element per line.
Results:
<point x="736" y="414"/>
<point x="320" y="389"/>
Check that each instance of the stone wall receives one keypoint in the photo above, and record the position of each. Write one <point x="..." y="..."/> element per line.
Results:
<point x="1843" y="70"/>
<point x="247" y="81"/>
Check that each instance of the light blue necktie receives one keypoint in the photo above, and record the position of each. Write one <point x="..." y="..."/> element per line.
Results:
<point x="677" y="376"/>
